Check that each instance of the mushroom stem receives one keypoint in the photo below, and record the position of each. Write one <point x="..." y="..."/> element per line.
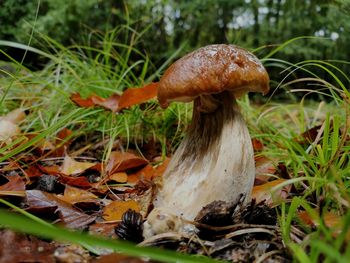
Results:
<point x="215" y="161"/>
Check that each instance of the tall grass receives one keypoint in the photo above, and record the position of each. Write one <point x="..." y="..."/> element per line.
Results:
<point x="320" y="171"/>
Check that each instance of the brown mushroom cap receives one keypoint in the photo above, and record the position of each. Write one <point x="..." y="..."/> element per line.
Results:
<point x="212" y="69"/>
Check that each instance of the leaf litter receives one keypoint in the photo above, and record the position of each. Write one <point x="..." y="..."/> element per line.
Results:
<point x="112" y="198"/>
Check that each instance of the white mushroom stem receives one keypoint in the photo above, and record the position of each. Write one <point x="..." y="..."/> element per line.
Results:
<point x="215" y="161"/>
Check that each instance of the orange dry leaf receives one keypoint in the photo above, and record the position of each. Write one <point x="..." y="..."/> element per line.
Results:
<point x="160" y="169"/>
<point x="136" y="96"/>
<point x="146" y="173"/>
<point x="71" y="167"/>
<point x="330" y="219"/>
<point x="14" y="187"/>
<point x="116" y="102"/>
<point x="121" y="161"/>
<point x="74" y="195"/>
<point x="115" y="210"/>
<point x="264" y="192"/>
<point x="118" y="177"/>
<point x="257" y="145"/>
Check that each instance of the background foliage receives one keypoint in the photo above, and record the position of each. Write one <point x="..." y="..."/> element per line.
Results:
<point x="249" y="23"/>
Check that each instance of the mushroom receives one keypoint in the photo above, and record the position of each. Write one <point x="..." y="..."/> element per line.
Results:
<point x="215" y="160"/>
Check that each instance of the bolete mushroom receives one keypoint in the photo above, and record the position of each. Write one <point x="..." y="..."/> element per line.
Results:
<point x="215" y="160"/>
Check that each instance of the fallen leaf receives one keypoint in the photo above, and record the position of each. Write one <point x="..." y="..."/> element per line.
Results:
<point x="33" y="171"/>
<point x="115" y="102"/>
<point x="146" y="173"/>
<point x="136" y="96"/>
<point x="103" y="229"/>
<point x="84" y="103"/>
<point x="80" y="181"/>
<point x="258" y="146"/>
<point x="122" y="161"/>
<point x="39" y="201"/>
<point x="330" y="219"/>
<point x="15" y="247"/>
<point x="160" y="169"/>
<point x="115" y="210"/>
<point x="72" y="167"/>
<point x="15" y="183"/>
<point x="74" y="195"/>
<point x="264" y="192"/>
<point x="308" y="136"/>
<point x="53" y="169"/>
<point x="264" y="169"/>
<point x="121" y="177"/>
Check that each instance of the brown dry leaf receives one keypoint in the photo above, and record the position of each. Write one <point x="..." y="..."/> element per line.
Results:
<point x="136" y="96"/>
<point x="121" y="177"/>
<point x="122" y="161"/>
<point x="52" y="170"/>
<point x="115" y="210"/>
<point x="74" y="195"/>
<point x="115" y="102"/>
<point x="264" y="168"/>
<point x="160" y="169"/>
<point x="257" y="145"/>
<point x="264" y="192"/>
<point x="146" y="173"/>
<point x="72" y="167"/>
<point x="103" y="229"/>
<point x="39" y="201"/>
<point x="80" y="181"/>
<point x="331" y="219"/>
<point x="16" y="247"/>
<point x="84" y="103"/>
<point x="14" y="187"/>
<point x="111" y="103"/>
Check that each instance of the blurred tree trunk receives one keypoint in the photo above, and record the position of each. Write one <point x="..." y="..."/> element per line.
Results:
<point x="256" y="27"/>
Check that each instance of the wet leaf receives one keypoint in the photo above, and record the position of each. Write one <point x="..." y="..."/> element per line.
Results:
<point x="72" y="167"/>
<point x="69" y="215"/>
<point x="115" y="210"/>
<point x="264" y="192"/>
<point x="122" y="161"/>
